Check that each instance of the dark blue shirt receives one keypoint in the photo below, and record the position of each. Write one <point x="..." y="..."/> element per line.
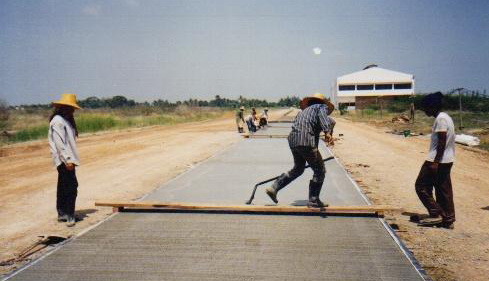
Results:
<point x="309" y="124"/>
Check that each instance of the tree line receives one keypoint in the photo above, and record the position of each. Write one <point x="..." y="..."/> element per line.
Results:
<point x="473" y="101"/>
<point x="217" y="101"/>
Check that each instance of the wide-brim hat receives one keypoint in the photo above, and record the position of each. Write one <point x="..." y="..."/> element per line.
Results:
<point x="320" y="97"/>
<point x="241" y="108"/>
<point x="67" y="99"/>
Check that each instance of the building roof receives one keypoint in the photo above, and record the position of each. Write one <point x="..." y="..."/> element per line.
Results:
<point x="377" y="75"/>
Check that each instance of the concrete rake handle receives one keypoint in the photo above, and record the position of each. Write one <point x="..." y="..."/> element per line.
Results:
<point x="272" y="179"/>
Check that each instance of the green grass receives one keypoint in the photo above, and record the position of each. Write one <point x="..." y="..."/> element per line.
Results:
<point x="33" y="133"/>
<point x="88" y="123"/>
<point x="33" y="127"/>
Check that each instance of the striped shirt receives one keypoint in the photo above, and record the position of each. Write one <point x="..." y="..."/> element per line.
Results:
<point x="308" y="125"/>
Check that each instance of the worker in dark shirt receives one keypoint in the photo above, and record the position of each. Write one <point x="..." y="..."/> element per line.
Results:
<point x="303" y="142"/>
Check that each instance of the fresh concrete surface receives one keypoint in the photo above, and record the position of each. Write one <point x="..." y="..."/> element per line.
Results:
<point x="196" y="246"/>
<point x="155" y="246"/>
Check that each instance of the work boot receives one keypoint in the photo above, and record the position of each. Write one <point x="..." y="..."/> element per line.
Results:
<point x="62" y="218"/>
<point x="70" y="221"/>
<point x="314" y="191"/>
<point x="282" y="181"/>
<point x="272" y="193"/>
<point x="432" y="221"/>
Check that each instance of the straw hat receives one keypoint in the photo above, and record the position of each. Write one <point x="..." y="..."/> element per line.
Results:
<point x="320" y="97"/>
<point x="67" y="99"/>
<point x="241" y="108"/>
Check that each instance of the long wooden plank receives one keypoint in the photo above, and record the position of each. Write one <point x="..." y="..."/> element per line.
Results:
<point x="375" y="209"/>
<point x="264" y="136"/>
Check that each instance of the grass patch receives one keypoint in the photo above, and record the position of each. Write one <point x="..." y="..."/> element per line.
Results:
<point x="33" y="133"/>
<point x="88" y="123"/>
<point x="28" y="126"/>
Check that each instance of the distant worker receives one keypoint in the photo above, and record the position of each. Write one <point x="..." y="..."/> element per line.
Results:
<point x="240" y="119"/>
<point x="264" y="117"/>
<point x="253" y="112"/>
<point x="62" y="142"/>
<point x="412" y="110"/>
<point x="250" y="122"/>
<point x="303" y="142"/>
<point x="435" y="172"/>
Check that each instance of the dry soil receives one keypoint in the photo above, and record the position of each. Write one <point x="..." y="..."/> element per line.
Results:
<point x="128" y="164"/>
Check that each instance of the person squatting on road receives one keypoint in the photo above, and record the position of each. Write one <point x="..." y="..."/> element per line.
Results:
<point x="435" y="171"/>
<point x="240" y="119"/>
<point x="62" y="142"/>
<point x="250" y="121"/>
<point x="303" y="142"/>
<point x="264" y="117"/>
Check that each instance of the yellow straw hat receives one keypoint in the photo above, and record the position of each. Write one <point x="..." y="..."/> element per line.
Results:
<point x="320" y="97"/>
<point x="67" y="99"/>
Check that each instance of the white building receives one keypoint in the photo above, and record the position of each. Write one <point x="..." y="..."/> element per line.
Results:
<point x="371" y="86"/>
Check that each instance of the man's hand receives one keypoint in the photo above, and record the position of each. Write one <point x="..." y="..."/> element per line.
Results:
<point x="328" y="139"/>
<point x="70" y="166"/>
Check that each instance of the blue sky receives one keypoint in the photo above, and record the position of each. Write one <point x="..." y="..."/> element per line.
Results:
<point x="178" y="49"/>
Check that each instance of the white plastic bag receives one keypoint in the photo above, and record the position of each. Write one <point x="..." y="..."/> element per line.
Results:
<point x="467" y="140"/>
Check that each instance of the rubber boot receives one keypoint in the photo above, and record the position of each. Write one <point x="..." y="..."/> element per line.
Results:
<point x="276" y="186"/>
<point x="314" y="191"/>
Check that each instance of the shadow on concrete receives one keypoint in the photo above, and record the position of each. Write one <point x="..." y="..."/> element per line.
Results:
<point x="299" y="203"/>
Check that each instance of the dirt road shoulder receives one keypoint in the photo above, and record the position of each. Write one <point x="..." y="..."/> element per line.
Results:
<point x="386" y="167"/>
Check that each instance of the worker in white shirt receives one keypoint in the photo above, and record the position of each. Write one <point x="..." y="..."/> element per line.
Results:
<point x="62" y="142"/>
<point x="264" y="117"/>
<point x="435" y="171"/>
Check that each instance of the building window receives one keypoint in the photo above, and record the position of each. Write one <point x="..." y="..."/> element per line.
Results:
<point x="383" y="86"/>
<point x="403" y="86"/>
<point x="346" y="87"/>
<point x="365" y="87"/>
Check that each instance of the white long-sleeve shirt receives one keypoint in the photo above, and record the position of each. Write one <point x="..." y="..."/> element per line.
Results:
<point x="62" y="142"/>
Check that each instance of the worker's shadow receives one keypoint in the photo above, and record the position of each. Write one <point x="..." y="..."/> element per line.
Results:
<point x="304" y="203"/>
<point x="299" y="203"/>
<point x="415" y="217"/>
<point x="83" y="213"/>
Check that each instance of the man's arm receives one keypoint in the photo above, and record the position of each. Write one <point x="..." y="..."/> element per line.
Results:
<point x="440" y="146"/>
<point x="327" y="125"/>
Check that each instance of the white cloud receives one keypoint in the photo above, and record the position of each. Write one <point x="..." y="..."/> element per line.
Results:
<point x="92" y="10"/>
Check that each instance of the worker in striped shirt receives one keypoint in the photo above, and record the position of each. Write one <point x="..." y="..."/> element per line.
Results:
<point x="303" y="142"/>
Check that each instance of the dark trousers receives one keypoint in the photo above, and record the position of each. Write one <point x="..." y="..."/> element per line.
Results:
<point x="67" y="191"/>
<point x="439" y="180"/>
<point x="251" y="126"/>
<point x="303" y="155"/>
